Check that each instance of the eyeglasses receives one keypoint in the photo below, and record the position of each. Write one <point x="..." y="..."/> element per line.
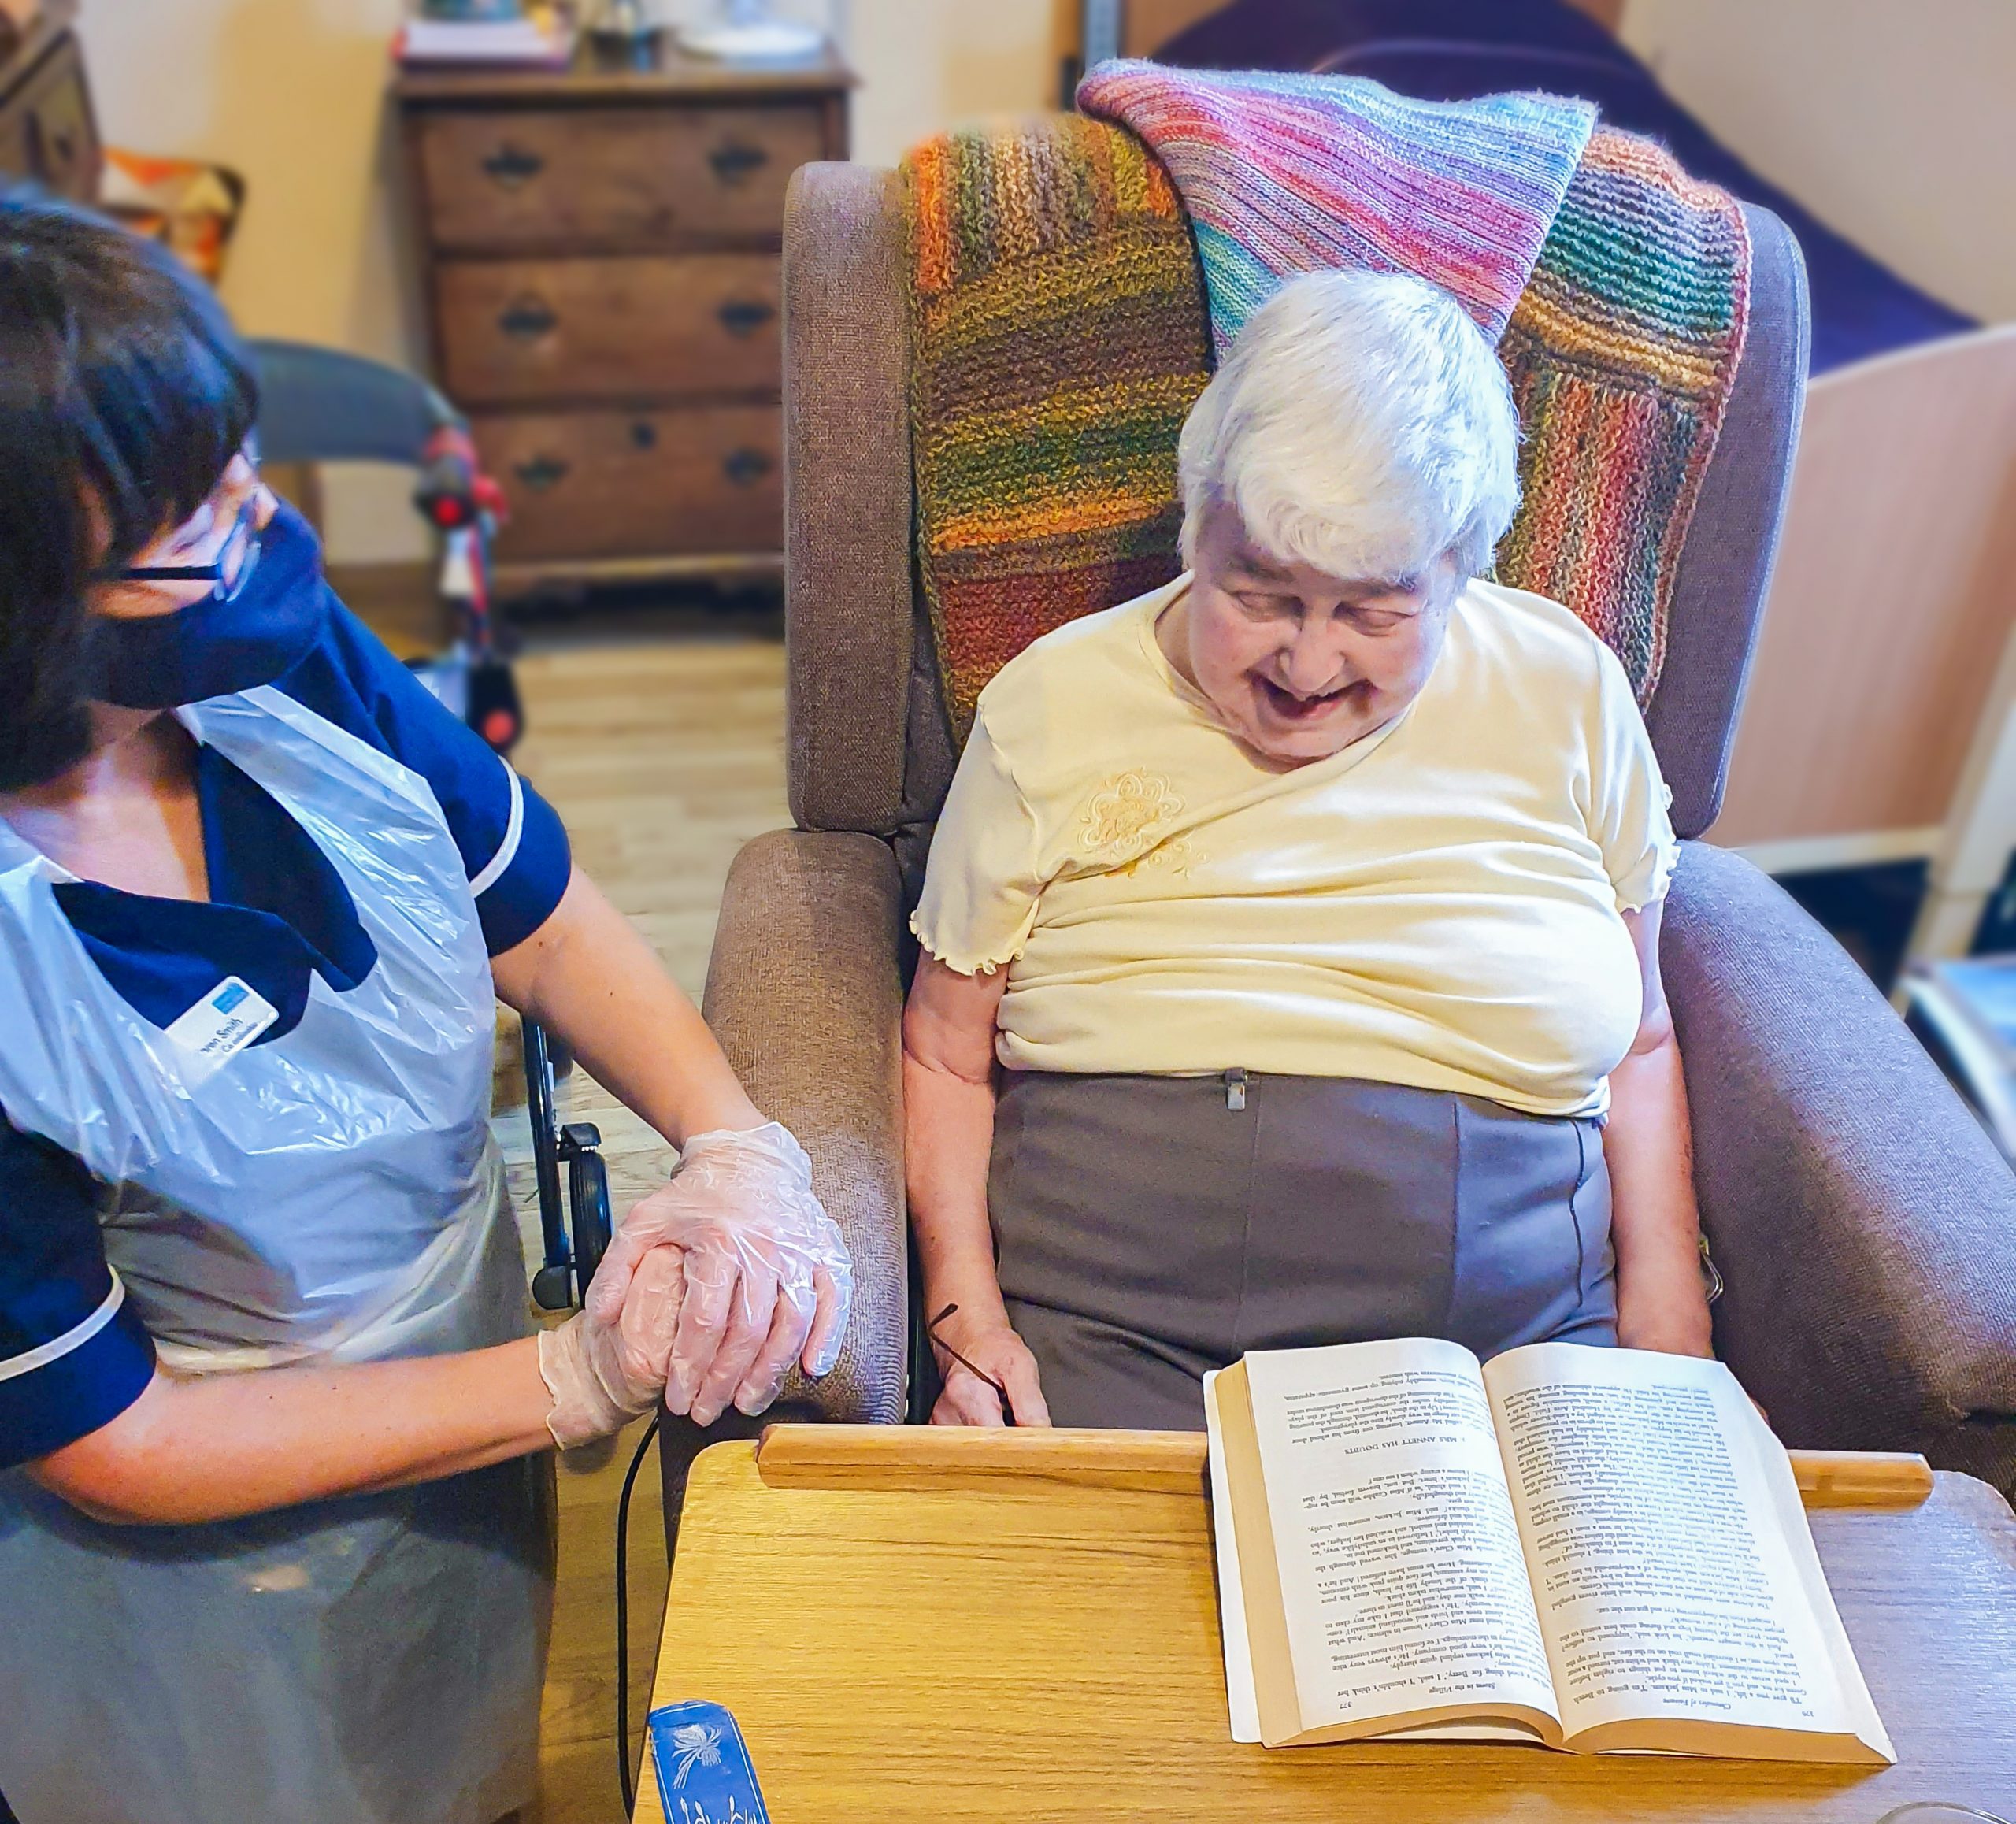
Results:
<point x="931" y="1330"/>
<point x="241" y="541"/>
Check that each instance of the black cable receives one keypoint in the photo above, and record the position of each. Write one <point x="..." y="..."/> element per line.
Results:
<point x="623" y="1773"/>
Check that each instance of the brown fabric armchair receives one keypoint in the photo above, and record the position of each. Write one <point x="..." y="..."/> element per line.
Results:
<point x="1865" y="1226"/>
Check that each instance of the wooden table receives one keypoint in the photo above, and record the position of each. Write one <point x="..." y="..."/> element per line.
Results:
<point x="999" y="1632"/>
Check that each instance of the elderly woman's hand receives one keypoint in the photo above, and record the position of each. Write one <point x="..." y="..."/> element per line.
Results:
<point x="991" y="1346"/>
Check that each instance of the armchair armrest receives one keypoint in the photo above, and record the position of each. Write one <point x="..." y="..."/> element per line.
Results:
<point x="1865" y="1224"/>
<point x="805" y="994"/>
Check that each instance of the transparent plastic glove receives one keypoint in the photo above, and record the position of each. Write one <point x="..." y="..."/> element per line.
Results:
<point x="768" y="1278"/>
<point x="601" y="1375"/>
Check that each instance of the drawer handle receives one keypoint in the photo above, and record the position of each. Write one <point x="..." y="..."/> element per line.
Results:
<point x="746" y="467"/>
<point x="527" y="318"/>
<point x="733" y="161"/>
<point x="52" y="151"/>
<point x="510" y="166"/>
<point x="542" y="472"/>
<point x="743" y="316"/>
<point x="644" y="435"/>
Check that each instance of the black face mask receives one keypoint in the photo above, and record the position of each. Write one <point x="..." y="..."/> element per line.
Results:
<point x="217" y="646"/>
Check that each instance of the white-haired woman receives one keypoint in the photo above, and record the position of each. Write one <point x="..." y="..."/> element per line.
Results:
<point x="1291" y="935"/>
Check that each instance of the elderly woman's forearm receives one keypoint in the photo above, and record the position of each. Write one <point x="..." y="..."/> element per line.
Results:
<point x="948" y="1122"/>
<point x="1654" y="1223"/>
<point x="948" y="1130"/>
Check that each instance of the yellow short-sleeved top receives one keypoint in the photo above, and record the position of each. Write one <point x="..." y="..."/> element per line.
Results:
<point x="1438" y="905"/>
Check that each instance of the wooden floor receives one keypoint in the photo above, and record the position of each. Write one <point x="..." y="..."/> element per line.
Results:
<point x="663" y="759"/>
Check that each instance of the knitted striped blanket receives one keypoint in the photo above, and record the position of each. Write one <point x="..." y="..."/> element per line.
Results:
<point x="1286" y="174"/>
<point x="1058" y="342"/>
<point x="1062" y="327"/>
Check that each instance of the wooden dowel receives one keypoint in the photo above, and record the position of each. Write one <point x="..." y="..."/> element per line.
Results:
<point x="1862" y="1478"/>
<point x="861" y="1456"/>
<point x="868" y="1456"/>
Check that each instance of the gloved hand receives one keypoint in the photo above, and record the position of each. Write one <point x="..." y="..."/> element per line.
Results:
<point x="602" y="1374"/>
<point x="767" y="1279"/>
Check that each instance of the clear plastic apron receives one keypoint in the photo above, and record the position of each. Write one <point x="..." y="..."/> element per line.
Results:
<point x="332" y="1194"/>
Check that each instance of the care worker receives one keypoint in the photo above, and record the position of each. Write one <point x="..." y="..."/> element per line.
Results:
<point x="276" y="1538"/>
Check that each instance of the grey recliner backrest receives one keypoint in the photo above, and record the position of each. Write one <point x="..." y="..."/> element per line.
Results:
<point x="867" y="747"/>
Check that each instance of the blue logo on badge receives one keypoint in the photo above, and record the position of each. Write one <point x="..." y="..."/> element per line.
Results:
<point x="234" y="992"/>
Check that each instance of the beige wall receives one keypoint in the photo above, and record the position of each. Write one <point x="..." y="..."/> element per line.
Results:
<point x="290" y="92"/>
<point x="926" y="64"/>
<point x="1894" y="120"/>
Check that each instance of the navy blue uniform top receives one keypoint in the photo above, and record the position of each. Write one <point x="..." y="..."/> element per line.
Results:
<point x="72" y="1358"/>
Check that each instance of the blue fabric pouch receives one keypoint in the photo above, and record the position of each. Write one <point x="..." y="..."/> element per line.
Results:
<point x="705" y="1775"/>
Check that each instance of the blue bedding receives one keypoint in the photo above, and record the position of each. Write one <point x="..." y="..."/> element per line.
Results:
<point x="1454" y="49"/>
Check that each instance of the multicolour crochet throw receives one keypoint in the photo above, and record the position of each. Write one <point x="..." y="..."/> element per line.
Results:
<point x="1060" y="331"/>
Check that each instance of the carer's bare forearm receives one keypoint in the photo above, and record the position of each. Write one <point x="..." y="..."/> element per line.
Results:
<point x="587" y="976"/>
<point x="214" y="1447"/>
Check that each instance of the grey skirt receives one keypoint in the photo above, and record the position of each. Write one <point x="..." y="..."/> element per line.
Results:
<point x="1147" y="1231"/>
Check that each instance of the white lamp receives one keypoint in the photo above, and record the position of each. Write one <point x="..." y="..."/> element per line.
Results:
<point x="748" y="31"/>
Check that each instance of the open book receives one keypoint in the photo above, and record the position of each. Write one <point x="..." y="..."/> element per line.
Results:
<point x="1590" y="1549"/>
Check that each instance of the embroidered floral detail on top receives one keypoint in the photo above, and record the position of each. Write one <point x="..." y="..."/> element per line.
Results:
<point x="1177" y="856"/>
<point x="1127" y="814"/>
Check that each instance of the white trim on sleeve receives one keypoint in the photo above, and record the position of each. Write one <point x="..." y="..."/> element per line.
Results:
<point x="514" y="828"/>
<point x="76" y="1337"/>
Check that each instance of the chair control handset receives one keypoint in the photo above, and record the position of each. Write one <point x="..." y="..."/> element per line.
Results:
<point x="588" y="1198"/>
<point x="562" y="1281"/>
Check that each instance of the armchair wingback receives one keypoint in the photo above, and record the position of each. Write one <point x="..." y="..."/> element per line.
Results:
<point x="1867" y="1230"/>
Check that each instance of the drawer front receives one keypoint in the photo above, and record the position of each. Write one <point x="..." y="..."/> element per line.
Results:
<point x="13" y="143"/>
<point x="612" y="178"/>
<point x="516" y="331"/>
<point x="615" y="484"/>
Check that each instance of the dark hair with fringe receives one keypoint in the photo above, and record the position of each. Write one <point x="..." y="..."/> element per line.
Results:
<point x="125" y="393"/>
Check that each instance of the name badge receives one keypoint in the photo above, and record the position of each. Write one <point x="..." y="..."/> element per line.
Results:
<point x="705" y="1775"/>
<point x="219" y="1026"/>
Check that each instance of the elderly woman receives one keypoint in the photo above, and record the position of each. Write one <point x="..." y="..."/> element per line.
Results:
<point x="1290" y="934"/>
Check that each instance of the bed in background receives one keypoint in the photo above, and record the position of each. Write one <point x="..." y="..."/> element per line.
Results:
<point x="1880" y="721"/>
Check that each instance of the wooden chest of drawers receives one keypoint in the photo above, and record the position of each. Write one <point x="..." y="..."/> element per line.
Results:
<point x="600" y="253"/>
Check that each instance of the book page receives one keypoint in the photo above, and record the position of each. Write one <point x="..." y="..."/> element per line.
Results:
<point x="1241" y="1699"/>
<point x="1673" y="1586"/>
<point x="1402" y="1579"/>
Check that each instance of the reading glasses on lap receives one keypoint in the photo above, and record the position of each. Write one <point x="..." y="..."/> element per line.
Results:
<point x="931" y="1330"/>
<point x="1936" y="1808"/>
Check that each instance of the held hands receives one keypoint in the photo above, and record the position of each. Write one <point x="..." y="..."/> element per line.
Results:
<point x="763" y="1277"/>
<point x="603" y="1375"/>
<point x="711" y="1289"/>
